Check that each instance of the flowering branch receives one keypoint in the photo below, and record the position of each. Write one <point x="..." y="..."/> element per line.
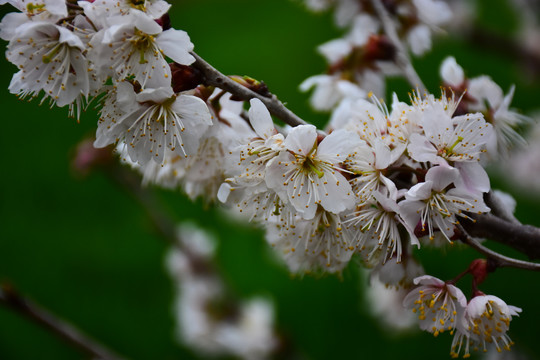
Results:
<point x="402" y="58"/>
<point x="14" y="301"/>
<point x="215" y="78"/>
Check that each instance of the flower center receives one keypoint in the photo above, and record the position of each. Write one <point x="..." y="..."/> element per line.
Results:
<point x="142" y="42"/>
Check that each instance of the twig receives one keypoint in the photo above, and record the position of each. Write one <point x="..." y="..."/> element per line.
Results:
<point x="214" y="78"/>
<point x="498" y="259"/>
<point x="14" y="301"/>
<point x="402" y="59"/>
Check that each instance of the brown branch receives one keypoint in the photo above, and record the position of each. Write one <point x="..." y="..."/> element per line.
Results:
<point x="497" y="259"/>
<point x="214" y="78"/>
<point x="498" y="208"/>
<point x="524" y="238"/>
<point x="14" y="301"/>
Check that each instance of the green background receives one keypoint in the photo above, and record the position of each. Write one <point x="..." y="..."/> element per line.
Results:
<point x="84" y="248"/>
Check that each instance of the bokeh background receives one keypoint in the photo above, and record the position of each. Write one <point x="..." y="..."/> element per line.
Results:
<point x="84" y="248"/>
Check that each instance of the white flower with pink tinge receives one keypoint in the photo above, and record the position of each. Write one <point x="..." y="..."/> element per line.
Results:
<point x="100" y="9"/>
<point x="438" y="304"/>
<point x="255" y="156"/>
<point x="308" y="174"/>
<point x="447" y="138"/>
<point x="322" y="242"/>
<point x="151" y="121"/>
<point x="378" y="222"/>
<point x="135" y="45"/>
<point x="485" y="321"/>
<point x="432" y="206"/>
<point x="50" y="58"/>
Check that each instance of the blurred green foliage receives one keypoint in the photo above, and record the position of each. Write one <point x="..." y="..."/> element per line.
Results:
<point x="84" y="249"/>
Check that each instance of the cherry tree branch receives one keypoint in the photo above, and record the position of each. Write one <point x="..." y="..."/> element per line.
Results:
<point x="497" y="259"/>
<point x="14" y="301"/>
<point x="215" y="78"/>
<point x="498" y="208"/>
<point x="402" y="58"/>
<point x="523" y="238"/>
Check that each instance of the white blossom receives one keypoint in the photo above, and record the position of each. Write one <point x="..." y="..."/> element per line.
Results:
<point x="50" y="59"/>
<point x="459" y="138"/>
<point x="431" y="206"/>
<point x="439" y="305"/>
<point x="329" y="90"/>
<point x="451" y="73"/>
<point x="323" y="242"/>
<point x="486" y="321"/>
<point x="386" y="305"/>
<point x="308" y="175"/>
<point x="151" y="121"/>
<point x="135" y="45"/>
<point x="380" y="225"/>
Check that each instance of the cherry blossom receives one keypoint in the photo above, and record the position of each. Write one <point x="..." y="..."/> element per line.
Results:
<point x="439" y="305"/>
<point x="486" y="321"/>
<point x="308" y="175"/>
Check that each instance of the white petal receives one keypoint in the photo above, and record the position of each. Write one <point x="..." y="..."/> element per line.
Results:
<point x="176" y="45"/>
<point x="420" y="149"/>
<point x="155" y="95"/>
<point x="70" y="38"/>
<point x="473" y="177"/>
<point x="441" y="176"/>
<point x="419" y="39"/>
<point x="301" y="139"/>
<point x="224" y="192"/>
<point x="9" y="24"/>
<point x="428" y="280"/>
<point x="420" y="191"/>
<point x="337" y="146"/>
<point x="335" y="193"/>
<point x="56" y="7"/>
<point x="451" y="72"/>
<point x="193" y="107"/>
<point x="260" y="119"/>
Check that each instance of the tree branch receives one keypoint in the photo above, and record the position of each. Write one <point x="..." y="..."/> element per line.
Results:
<point x="498" y="208"/>
<point x="524" y="238"/>
<point x="14" y="301"/>
<point x="498" y="259"/>
<point x="214" y="78"/>
<point x="402" y="59"/>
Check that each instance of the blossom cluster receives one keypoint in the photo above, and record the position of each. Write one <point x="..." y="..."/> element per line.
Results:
<point x="206" y="319"/>
<point x="441" y="307"/>
<point x="117" y="49"/>
<point x="365" y="56"/>
<point x="379" y="181"/>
